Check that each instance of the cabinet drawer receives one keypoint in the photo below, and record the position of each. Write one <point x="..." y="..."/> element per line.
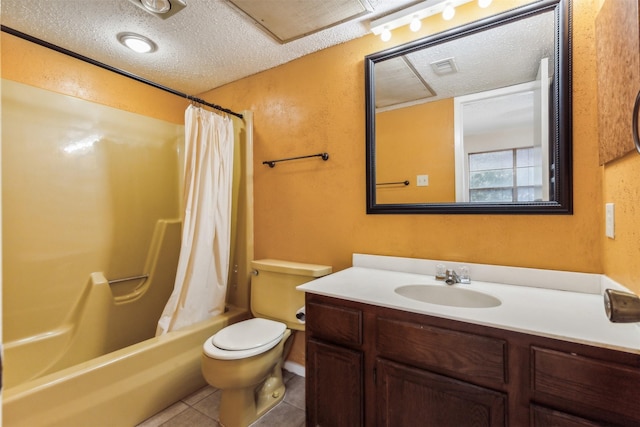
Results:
<point x="444" y="350"/>
<point x="600" y="385"/>
<point x="341" y="325"/>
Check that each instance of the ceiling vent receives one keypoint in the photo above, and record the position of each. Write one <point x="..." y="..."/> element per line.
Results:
<point x="160" y="8"/>
<point x="399" y="84"/>
<point x="288" y="20"/>
<point x="444" y="66"/>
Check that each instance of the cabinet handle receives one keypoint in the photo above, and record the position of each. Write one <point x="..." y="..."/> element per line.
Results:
<point x="634" y="119"/>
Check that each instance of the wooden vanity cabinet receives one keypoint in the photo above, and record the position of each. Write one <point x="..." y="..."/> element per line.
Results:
<point x="334" y="366"/>
<point x="374" y="366"/>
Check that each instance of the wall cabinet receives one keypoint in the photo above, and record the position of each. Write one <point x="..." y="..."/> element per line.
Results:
<point x="374" y="366"/>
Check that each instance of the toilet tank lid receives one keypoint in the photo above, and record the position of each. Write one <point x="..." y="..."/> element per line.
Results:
<point x="290" y="267"/>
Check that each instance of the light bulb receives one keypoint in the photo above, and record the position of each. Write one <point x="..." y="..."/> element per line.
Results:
<point x="415" y="24"/>
<point x="449" y="12"/>
<point x="137" y="43"/>
<point x="385" y="35"/>
<point x="484" y="3"/>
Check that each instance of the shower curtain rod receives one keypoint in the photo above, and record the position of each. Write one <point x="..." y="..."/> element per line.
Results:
<point x="59" y="49"/>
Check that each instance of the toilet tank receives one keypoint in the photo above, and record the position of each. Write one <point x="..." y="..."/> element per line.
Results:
<point x="273" y="289"/>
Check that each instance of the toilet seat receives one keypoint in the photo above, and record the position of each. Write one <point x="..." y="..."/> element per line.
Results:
<point x="244" y="339"/>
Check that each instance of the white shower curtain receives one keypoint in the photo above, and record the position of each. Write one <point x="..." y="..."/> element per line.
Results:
<point x="201" y="280"/>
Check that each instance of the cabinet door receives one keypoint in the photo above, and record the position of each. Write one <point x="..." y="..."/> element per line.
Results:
<point x="335" y="380"/>
<point x="544" y="417"/>
<point x="618" y="64"/>
<point x="410" y="397"/>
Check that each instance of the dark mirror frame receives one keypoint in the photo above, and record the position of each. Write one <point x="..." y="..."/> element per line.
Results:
<point x="560" y="124"/>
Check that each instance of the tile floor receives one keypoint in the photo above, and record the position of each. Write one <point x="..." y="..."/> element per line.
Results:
<point x="201" y="409"/>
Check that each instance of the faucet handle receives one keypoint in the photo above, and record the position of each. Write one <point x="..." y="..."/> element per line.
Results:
<point x="465" y="278"/>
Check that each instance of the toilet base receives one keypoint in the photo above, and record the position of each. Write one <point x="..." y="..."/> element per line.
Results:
<point x="255" y="402"/>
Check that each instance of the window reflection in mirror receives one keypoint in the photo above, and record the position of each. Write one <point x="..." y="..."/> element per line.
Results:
<point x="440" y="108"/>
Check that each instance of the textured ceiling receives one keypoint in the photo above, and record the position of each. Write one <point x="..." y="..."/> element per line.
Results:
<point x="206" y="45"/>
<point x="503" y="56"/>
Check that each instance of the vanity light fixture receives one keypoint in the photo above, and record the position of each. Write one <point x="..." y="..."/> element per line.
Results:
<point x="385" y="35"/>
<point x="484" y="3"/>
<point x="415" y="24"/>
<point x="413" y="15"/>
<point x="448" y="12"/>
<point x="137" y="42"/>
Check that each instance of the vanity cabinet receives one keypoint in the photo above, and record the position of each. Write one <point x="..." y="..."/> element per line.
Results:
<point x="374" y="366"/>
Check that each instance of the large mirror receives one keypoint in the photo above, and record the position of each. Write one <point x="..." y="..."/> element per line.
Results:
<point x="476" y="119"/>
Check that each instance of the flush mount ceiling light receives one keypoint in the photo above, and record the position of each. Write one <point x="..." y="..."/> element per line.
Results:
<point x="160" y="8"/>
<point x="413" y="15"/>
<point x="137" y="43"/>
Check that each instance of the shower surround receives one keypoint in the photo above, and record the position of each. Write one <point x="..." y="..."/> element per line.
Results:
<point x="91" y="195"/>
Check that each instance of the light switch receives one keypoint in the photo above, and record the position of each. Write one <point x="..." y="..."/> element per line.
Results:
<point x="422" y="180"/>
<point x="610" y="222"/>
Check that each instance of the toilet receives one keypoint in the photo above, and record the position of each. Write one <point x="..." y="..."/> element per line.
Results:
<point x="244" y="360"/>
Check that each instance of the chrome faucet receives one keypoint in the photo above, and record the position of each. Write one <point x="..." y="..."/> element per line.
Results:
<point x="451" y="277"/>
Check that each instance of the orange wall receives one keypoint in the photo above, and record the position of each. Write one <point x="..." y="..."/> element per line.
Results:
<point x="31" y="64"/>
<point x="621" y="256"/>
<point x="416" y="140"/>
<point x="621" y="186"/>
<point x="314" y="211"/>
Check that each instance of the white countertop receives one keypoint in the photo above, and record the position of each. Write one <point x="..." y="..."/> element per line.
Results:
<point x="576" y="316"/>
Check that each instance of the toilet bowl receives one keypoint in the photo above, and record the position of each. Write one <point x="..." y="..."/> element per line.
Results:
<point x="244" y="360"/>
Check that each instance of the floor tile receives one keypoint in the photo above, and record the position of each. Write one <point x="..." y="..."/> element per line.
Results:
<point x="191" y="418"/>
<point x="295" y="392"/>
<point x="165" y="415"/>
<point x="282" y="415"/>
<point x="210" y="405"/>
<point x="196" y="397"/>
<point x="202" y="408"/>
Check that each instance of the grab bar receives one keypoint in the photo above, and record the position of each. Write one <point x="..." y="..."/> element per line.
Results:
<point x="126" y="279"/>
<point x="272" y="163"/>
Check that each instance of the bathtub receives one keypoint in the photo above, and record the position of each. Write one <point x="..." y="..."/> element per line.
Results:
<point x="101" y="367"/>
<point x="121" y="388"/>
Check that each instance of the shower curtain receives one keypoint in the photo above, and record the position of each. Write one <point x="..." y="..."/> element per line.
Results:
<point x="201" y="280"/>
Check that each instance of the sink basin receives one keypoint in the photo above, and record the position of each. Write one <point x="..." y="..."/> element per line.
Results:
<point x="451" y="296"/>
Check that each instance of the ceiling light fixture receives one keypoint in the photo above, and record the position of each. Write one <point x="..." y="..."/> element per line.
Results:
<point x="413" y="15"/>
<point x="160" y="8"/>
<point x="137" y="42"/>
<point x="156" y="6"/>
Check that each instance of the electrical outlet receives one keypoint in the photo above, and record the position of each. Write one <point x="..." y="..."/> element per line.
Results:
<point x="422" y="180"/>
<point x="610" y="221"/>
